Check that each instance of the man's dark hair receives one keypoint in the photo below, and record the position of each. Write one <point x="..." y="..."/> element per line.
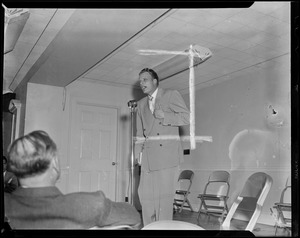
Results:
<point x="151" y="72"/>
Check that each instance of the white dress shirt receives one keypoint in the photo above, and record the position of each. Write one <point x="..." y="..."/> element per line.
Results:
<point x="152" y="100"/>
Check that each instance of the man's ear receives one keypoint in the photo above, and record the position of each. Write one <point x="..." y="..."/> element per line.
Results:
<point x="56" y="166"/>
<point x="156" y="81"/>
<point x="56" y="162"/>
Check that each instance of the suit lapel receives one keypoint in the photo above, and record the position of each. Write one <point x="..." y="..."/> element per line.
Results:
<point x="158" y="96"/>
<point x="149" y="118"/>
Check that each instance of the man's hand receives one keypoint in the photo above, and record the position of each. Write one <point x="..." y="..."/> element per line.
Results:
<point x="158" y="112"/>
<point x="138" y="161"/>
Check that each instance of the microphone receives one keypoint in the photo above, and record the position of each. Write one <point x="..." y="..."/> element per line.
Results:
<point x="132" y="104"/>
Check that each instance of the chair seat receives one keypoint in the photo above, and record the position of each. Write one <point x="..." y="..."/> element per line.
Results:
<point x="212" y="197"/>
<point x="219" y="212"/>
<point x="182" y="192"/>
<point x="212" y="201"/>
<point x="288" y="221"/>
<point x="282" y="205"/>
<point x="180" y="203"/>
<point x="215" y="207"/>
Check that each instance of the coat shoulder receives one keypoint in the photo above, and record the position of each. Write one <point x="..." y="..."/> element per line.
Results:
<point x="167" y="93"/>
<point x="142" y="100"/>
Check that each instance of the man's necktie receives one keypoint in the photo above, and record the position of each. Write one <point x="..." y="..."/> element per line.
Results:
<point x="151" y="106"/>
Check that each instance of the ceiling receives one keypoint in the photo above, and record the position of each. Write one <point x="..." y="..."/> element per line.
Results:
<point x="59" y="46"/>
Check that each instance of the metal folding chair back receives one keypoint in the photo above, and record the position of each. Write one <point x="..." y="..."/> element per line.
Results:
<point x="181" y="195"/>
<point x="186" y="174"/>
<point x="249" y="202"/>
<point x="214" y="201"/>
<point x="219" y="176"/>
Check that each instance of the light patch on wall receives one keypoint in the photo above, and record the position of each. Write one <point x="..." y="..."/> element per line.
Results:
<point x="251" y="148"/>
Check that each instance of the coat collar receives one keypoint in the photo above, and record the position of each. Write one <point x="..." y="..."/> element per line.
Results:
<point x="37" y="192"/>
<point x="159" y="93"/>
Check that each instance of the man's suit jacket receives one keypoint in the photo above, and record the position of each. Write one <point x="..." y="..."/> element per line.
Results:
<point x="47" y="207"/>
<point x="162" y="148"/>
<point x="10" y="182"/>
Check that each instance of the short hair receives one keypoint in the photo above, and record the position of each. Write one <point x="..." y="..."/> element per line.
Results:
<point x="31" y="154"/>
<point x="151" y="72"/>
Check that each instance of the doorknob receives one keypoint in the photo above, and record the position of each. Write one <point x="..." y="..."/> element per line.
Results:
<point x="114" y="163"/>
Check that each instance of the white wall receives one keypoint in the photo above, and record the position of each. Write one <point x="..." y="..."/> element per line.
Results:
<point x="48" y="108"/>
<point x="44" y="110"/>
<point x="248" y="117"/>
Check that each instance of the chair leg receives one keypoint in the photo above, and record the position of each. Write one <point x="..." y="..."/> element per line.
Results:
<point x="188" y="202"/>
<point x="181" y="206"/>
<point x="208" y="217"/>
<point x="199" y="209"/>
<point x="198" y="215"/>
<point x="174" y="208"/>
<point x="288" y="230"/>
<point x="221" y="219"/>
<point x="276" y="229"/>
<point x="180" y="209"/>
<point x="185" y="200"/>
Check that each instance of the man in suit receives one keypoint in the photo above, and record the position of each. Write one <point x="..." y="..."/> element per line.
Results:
<point x="159" y="116"/>
<point x="10" y="180"/>
<point x="38" y="204"/>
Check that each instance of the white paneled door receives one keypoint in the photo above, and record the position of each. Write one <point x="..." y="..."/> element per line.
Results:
<point x="93" y="149"/>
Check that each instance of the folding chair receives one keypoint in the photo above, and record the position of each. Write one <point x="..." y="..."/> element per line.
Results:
<point x="215" y="194"/>
<point x="249" y="202"/>
<point x="181" y="195"/>
<point x="284" y="209"/>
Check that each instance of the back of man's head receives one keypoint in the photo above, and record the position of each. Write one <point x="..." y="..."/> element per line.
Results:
<point x="31" y="155"/>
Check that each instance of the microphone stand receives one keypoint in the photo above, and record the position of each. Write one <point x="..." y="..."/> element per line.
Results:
<point x="132" y="105"/>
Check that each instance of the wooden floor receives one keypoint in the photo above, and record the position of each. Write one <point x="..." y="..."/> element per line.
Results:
<point x="212" y="223"/>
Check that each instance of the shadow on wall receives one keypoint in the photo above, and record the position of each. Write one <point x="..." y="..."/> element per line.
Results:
<point x="136" y="91"/>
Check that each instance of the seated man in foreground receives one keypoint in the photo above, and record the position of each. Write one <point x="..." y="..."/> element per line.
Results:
<point x="37" y="203"/>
